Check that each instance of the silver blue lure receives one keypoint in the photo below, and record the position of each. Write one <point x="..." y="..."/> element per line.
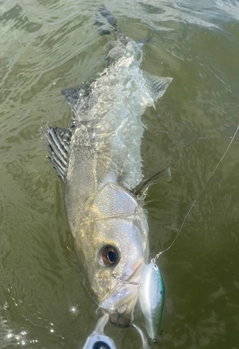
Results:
<point x="97" y="339"/>
<point x="151" y="298"/>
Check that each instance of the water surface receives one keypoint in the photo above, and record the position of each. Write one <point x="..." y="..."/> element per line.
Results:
<point x="48" y="45"/>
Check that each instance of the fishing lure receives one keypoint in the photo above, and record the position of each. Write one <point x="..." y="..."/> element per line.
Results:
<point x="97" y="339"/>
<point x="151" y="298"/>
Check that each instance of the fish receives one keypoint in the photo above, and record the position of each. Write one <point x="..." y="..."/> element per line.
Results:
<point x="151" y="298"/>
<point x="99" y="161"/>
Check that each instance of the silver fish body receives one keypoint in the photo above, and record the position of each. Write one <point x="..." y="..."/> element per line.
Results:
<point x="151" y="298"/>
<point x="98" y="158"/>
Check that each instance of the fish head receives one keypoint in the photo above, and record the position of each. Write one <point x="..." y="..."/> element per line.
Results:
<point x="115" y="249"/>
<point x="117" y="276"/>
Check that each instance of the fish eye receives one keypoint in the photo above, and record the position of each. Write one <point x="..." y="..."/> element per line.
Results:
<point x="109" y="255"/>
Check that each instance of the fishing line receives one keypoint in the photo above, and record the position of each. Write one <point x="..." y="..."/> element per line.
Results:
<point x="126" y="282"/>
<point x="197" y="198"/>
<point x="142" y="336"/>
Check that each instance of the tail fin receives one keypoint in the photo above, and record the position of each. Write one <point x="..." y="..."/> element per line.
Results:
<point x="109" y="18"/>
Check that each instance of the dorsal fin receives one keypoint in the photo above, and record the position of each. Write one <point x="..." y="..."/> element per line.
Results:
<point x="74" y="95"/>
<point x="58" y="141"/>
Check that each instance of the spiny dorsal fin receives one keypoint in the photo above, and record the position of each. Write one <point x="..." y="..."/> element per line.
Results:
<point x="141" y="188"/>
<point x="58" y="141"/>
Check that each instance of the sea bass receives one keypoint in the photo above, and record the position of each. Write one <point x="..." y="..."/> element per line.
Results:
<point x="98" y="158"/>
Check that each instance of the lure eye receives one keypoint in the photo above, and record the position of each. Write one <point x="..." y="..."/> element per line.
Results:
<point x="100" y="345"/>
<point x="109" y="255"/>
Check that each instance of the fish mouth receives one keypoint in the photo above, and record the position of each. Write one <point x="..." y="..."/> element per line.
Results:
<point x="120" y="305"/>
<point x="123" y="316"/>
<point x="121" y="302"/>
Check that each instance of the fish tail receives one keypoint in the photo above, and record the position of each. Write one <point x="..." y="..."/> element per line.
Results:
<point x="108" y="16"/>
<point x="99" y="22"/>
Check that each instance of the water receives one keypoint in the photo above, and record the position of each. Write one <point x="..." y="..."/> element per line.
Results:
<point x="48" y="45"/>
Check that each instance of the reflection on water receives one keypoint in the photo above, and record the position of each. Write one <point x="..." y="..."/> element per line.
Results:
<point x="46" y="46"/>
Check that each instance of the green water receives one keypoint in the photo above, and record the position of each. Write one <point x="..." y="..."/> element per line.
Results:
<point x="48" y="45"/>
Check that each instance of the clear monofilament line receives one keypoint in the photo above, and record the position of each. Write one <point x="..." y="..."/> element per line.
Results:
<point x="186" y="216"/>
<point x="195" y="201"/>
